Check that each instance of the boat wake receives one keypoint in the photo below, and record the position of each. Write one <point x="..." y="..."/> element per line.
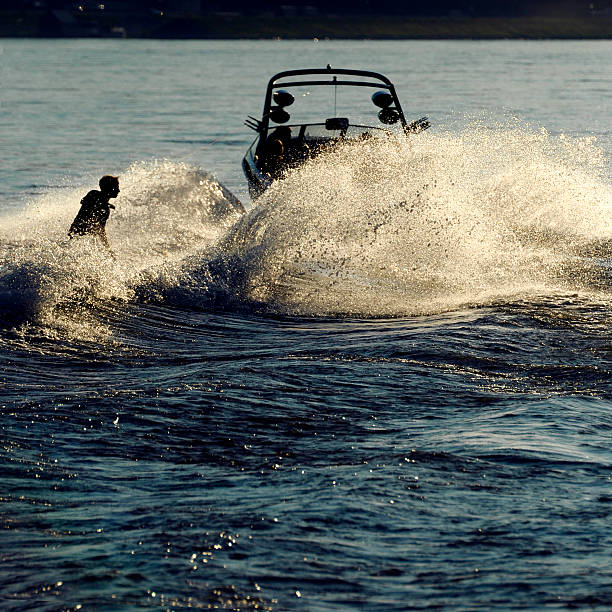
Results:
<point x="375" y="229"/>
<point x="369" y="229"/>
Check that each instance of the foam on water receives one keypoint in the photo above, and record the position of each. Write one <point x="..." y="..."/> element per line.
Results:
<point x="453" y="219"/>
<point x="165" y="212"/>
<point x="365" y="229"/>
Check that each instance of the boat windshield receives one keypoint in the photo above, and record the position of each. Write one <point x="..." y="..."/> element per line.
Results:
<point x="315" y="103"/>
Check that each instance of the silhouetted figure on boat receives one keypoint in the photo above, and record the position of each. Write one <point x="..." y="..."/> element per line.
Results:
<point x="275" y="154"/>
<point x="95" y="209"/>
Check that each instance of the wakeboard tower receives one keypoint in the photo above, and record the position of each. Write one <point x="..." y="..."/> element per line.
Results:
<point x="306" y="111"/>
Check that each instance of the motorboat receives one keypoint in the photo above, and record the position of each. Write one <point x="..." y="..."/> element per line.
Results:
<point x="309" y="110"/>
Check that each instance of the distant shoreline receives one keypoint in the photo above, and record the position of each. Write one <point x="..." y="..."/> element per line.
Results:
<point x="175" y="27"/>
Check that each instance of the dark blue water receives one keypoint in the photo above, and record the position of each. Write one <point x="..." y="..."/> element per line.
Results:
<point x="457" y="461"/>
<point x="386" y="387"/>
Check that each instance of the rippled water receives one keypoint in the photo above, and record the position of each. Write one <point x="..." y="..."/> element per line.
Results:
<point x="384" y="386"/>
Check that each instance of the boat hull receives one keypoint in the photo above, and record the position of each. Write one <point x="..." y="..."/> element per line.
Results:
<point x="258" y="182"/>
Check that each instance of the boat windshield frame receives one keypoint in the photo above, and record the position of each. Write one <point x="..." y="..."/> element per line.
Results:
<point x="374" y="80"/>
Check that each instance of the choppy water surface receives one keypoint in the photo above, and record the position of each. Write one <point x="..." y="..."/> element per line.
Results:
<point x="385" y="386"/>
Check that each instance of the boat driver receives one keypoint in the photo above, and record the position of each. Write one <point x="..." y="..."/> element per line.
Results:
<point x="275" y="158"/>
